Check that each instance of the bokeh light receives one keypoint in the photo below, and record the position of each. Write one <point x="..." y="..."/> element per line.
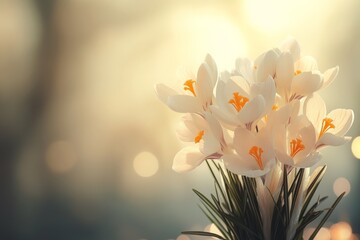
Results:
<point x="146" y="164"/>
<point x="341" y="231"/>
<point x="341" y="185"/>
<point x="323" y="234"/>
<point x="355" y="147"/>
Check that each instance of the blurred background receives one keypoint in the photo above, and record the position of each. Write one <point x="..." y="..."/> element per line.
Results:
<point x="86" y="147"/>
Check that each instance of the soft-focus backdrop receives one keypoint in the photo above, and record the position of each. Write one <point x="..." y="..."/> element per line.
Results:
<point x="86" y="147"/>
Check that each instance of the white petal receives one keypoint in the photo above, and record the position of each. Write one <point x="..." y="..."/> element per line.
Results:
<point x="163" y="92"/>
<point x="225" y="117"/>
<point x="214" y="125"/>
<point x="210" y="144"/>
<point x="329" y="76"/>
<point x="284" y="73"/>
<point x="253" y="110"/>
<point x="267" y="66"/>
<point x="213" y="68"/>
<point x="284" y="158"/>
<point x="184" y="104"/>
<point x="306" y="83"/>
<point x="243" y="66"/>
<point x="204" y="84"/>
<point x="187" y="159"/>
<point x="306" y="64"/>
<point x="329" y="139"/>
<point x="291" y="45"/>
<point x="244" y="140"/>
<point x="267" y="90"/>
<point x="342" y="119"/>
<point x="309" y="161"/>
<point x="246" y="167"/>
<point x="315" y="110"/>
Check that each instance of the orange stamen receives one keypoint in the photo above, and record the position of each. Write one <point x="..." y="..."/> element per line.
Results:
<point x="189" y="86"/>
<point x="199" y="136"/>
<point x="297" y="72"/>
<point x="238" y="101"/>
<point x="256" y="152"/>
<point x="326" y="125"/>
<point x="296" y="146"/>
<point x="275" y="107"/>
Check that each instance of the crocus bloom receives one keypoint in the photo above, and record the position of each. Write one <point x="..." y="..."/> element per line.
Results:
<point x="295" y="143"/>
<point x="330" y="128"/>
<point x="253" y="156"/>
<point x="240" y="103"/>
<point x="204" y="134"/>
<point x="196" y="95"/>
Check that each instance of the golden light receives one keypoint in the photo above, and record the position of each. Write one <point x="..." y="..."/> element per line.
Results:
<point x="60" y="156"/>
<point x="323" y="234"/>
<point x="341" y="185"/>
<point x="146" y="164"/>
<point x="355" y="147"/>
<point x="341" y="231"/>
<point x="205" y="32"/>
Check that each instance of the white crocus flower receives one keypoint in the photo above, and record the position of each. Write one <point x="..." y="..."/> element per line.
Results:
<point x="240" y="103"/>
<point x="196" y="95"/>
<point x="254" y="155"/>
<point x="206" y="138"/>
<point x="330" y="128"/>
<point x="295" y="143"/>
<point x="295" y="76"/>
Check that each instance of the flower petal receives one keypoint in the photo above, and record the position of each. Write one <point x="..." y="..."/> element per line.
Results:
<point x="306" y="83"/>
<point x="210" y="144"/>
<point x="329" y="139"/>
<point x="184" y="104"/>
<point x="342" y="119"/>
<point x="284" y="73"/>
<point x="306" y="64"/>
<point x="267" y="66"/>
<point x="163" y="92"/>
<point x="244" y="68"/>
<point x="315" y="110"/>
<point x="187" y="159"/>
<point x="242" y="166"/>
<point x="253" y="110"/>
<point x="204" y="85"/>
<point x="213" y="69"/>
<point x="267" y="90"/>
<point x="291" y="45"/>
<point x="243" y="140"/>
<point x="329" y="76"/>
<point x="309" y="161"/>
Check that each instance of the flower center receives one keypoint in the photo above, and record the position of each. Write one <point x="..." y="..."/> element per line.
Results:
<point x="297" y="72"/>
<point x="326" y="125"/>
<point x="199" y="136"/>
<point x="275" y="107"/>
<point x="296" y="146"/>
<point x="238" y="101"/>
<point x="256" y="152"/>
<point x="189" y="86"/>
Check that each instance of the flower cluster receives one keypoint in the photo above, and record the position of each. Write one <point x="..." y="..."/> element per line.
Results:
<point x="259" y="116"/>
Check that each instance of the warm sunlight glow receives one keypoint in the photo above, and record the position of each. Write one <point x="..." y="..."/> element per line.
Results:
<point x="205" y="32"/>
<point x="146" y="164"/>
<point x="323" y="234"/>
<point x="341" y="185"/>
<point x="355" y="147"/>
<point x="340" y="231"/>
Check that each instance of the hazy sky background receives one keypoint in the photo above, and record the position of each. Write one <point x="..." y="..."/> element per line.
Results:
<point x="77" y="106"/>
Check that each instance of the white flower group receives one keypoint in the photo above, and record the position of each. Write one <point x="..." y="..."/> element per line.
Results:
<point x="258" y="116"/>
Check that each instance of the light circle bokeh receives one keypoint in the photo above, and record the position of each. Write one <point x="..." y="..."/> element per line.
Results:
<point x="146" y="164"/>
